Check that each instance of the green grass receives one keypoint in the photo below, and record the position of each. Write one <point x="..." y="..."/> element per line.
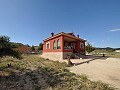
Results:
<point x="36" y="73"/>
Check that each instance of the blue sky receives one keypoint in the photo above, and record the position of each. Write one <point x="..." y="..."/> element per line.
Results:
<point x="31" y="21"/>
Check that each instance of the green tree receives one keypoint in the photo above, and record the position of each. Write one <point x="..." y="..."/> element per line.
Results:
<point x="40" y="46"/>
<point x="6" y="48"/>
<point x="33" y="48"/>
<point x="89" y="48"/>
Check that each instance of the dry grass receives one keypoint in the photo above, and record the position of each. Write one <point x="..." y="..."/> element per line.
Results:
<point x="35" y="73"/>
<point x="111" y="54"/>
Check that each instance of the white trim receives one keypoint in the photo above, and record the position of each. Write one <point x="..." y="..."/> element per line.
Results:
<point x="54" y="45"/>
<point x="49" y="45"/>
<point x="82" y="45"/>
<point x="58" y="43"/>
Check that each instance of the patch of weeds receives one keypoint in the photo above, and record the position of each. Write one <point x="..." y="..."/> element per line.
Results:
<point x="2" y="79"/>
<point x="12" y="77"/>
<point x="37" y="87"/>
<point x="24" y="80"/>
<point x="69" y="74"/>
<point x="52" y="81"/>
<point x="83" y="77"/>
<point x="33" y="77"/>
<point x="103" y="86"/>
<point x="93" y="84"/>
<point x="65" y="70"/>
<point x="51" y="76"/>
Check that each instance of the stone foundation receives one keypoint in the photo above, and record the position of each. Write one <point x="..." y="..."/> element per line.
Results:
<point x="53" y="55"/>
<point x="58" y="55"/>
<point x="65" y="54"/>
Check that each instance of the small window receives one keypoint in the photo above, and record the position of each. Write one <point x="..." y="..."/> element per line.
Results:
<point x="54" y="45"/>
<point x="82" y="45"/>
<point x="48" y="45"/>
<point x="58" y="44"/>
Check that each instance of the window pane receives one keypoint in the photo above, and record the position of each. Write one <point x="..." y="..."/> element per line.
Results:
<point x="54" y="45"/>
<point x="47" y="45"/>
<point x="58" y="44"/>
<point x="82" y="45"/>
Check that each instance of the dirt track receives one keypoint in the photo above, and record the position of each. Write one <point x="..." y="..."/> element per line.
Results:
<point x="105" y="69"/>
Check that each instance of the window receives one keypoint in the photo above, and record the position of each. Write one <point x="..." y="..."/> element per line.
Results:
<point x="54" y="45"/>
<point x="48" y="45"/>
<point x="73" y="45"/>
<point x="58" y="44"/>
<point x="82" y="45"/>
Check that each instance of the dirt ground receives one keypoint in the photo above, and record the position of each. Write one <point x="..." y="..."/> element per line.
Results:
<point x="104" y="69"/>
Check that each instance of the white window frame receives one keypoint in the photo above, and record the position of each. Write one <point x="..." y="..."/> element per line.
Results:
<point x="54" y="45"/>
<point x="58" y="42"/>
<point x="49" y="45"/>
<point x="82" y="45"/>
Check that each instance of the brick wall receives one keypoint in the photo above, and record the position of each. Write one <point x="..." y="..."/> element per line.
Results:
<point x="24" y="49"/>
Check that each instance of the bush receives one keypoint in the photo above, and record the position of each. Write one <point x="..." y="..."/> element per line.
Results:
<point x="6" y="48"/>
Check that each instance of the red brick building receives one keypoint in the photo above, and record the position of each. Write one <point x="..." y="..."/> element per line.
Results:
<point x="24" y="49"/>
<point x="61" y="45"/>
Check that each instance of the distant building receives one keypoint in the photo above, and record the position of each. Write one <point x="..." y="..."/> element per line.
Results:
<point x="61" y="45"/>
<point x="24" y="49"/>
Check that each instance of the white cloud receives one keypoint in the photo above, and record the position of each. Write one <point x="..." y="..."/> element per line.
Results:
<point x="114" y="30"/>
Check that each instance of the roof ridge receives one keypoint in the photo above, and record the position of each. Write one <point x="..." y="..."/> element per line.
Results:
<point x="64" y="34"/>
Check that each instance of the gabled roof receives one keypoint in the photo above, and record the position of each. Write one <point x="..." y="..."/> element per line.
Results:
<point x="70" y="35"/>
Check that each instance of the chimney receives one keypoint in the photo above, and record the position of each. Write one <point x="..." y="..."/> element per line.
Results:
<point x="52" y="34"/>
<point x="78" y="36"/>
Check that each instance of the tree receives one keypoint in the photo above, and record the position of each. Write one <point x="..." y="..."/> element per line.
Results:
<point x="33" y="48"/>
<point x="6" y="48"/>
<point x="89" y="48"/>
<point x="40" y="46"/>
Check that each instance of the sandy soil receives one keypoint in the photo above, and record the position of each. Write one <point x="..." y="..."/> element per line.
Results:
<point x="105" y="69"/>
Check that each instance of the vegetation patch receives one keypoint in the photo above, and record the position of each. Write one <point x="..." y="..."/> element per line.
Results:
<point x="108" y="53"/>
<point x="35" y="73"/>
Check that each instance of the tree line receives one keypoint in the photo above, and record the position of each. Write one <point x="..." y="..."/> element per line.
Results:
<point x="7" y="47"/>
